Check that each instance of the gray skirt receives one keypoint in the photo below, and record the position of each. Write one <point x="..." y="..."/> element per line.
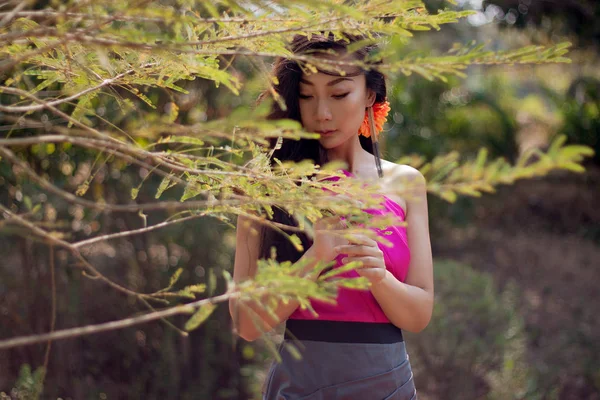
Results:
<point x="339" y="369"/>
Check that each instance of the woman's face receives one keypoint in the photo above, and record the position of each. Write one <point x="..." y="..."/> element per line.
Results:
<point x="333" y="106"/>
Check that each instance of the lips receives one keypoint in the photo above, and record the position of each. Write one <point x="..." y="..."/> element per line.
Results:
<point x="325" y="133"/>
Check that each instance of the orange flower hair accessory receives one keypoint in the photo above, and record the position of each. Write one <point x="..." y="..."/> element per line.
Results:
<point x="380" y="112"/>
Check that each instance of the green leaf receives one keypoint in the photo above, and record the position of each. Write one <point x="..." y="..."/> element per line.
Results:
<point x="340" y="270"/>
<point x="83" y="107"/>
<point x="480" y="163"/>
<point x="45" y="84"/>
<point x="192" y="189"/>
<point x="334" y="165"/>
<point x="175" y="277"/>
<point x="200" y="316"/>
<point x="360" y="283"/>
<point x="83" y="188"/>
<point x="573" y="167"/>
<point x="468" y="191"/>
<point x="164" y="185"/>
<point x="212" y="282"/>
<point x="172" y="112"/>
<point x="556" y="145"/>
<point x="143" y="97"/>
<point x="574" y="151"/>
<point x="190" y="291"/>
<point x="181" y="139"/>
<point x="293" y="350"/>
<point x="27" y="202"/>
<point x="449" y="196"/>
<point x="295" y="240"/>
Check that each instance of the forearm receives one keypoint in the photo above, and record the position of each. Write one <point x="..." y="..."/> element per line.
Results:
<point x="251" y="318"/>
<point x="406" y="306"/>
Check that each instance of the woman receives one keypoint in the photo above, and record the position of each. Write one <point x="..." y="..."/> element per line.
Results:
<point x="355" y="349"/>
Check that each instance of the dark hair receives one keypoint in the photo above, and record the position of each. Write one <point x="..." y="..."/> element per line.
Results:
<point x="288" y="74"/>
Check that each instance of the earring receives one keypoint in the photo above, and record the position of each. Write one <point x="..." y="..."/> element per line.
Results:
<point x="380" y="112"/>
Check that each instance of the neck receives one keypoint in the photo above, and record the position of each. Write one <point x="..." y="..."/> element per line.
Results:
<point x="352" y="153"/>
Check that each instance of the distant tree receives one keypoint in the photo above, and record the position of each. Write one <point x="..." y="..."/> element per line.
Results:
<point x="577" y="17"/>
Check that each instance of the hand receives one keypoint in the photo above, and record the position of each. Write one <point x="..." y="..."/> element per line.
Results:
<point x="365" y="249"/>
<point x="328" y="234"/>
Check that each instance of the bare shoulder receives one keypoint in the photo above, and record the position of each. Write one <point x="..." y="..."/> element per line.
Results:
<point x="404" y="171"/>
<point x="402" y="182"/>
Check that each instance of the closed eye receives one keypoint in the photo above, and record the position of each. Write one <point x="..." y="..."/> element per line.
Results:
<point x="338" y="96"/>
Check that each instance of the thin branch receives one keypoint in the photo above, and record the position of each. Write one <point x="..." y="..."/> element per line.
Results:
<point x="40" y="32"/>
<point x="170" y="205"/>
<point x="54" y="240"/>
<point x="40" y="386"/>
<point x="99" y="145"/>
<point x="429" y="62"/>
<point x="95" y="17"/>
<point x="169" y="46"/>
<point x="70" y="37"/>
<point x="88" y="242"/>
<point x="109" y="326"/>
<point x="163" y="205"/>
<point x="159" y="157"/>
<point x="53" y="315"/>
<point x="53" y="189"/>
<point x="264" y="33"/>
<point x="10" y="63"/>
<point x="109" y="147"/>
<point x="46" y="104"/>
<point x="56" y="111"/>
<point x="111" y="236"/>
<point x="7" y="17"/>
<point x="166" y="321"/>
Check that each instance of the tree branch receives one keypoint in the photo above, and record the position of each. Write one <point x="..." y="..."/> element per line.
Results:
<point x="56" y="14"/>
<point x="109" y="326"/>
<point x="161" y="205"/>
<point x="54" y="240"/>
<point x="97" y="239"/>
<point x="7" y="17"/>
<point x="46" y="104"/>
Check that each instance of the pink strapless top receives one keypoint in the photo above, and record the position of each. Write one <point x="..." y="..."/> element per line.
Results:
<point x="360" y="305"/>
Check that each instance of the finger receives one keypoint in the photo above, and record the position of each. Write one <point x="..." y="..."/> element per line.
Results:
<point x="329" y="220"/>
<point x="372" y="262"/>
<point x="331" y="223"/>
<point x="361" y="239"/>
<point x="361" y="250"/>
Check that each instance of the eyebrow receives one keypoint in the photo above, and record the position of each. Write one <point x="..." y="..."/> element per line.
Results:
<point x="330" y="83"/>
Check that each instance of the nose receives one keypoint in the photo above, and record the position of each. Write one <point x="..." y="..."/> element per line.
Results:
<point x="323" y="112"/>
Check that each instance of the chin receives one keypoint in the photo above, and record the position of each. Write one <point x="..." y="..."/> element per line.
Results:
<point x="327" y="144"/>
<point x="331" y="145"/>
<point x="333" y="142"/>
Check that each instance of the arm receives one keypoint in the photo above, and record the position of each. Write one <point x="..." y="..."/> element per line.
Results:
<point x="245" y="315"/>
<point x="409" y="305"/>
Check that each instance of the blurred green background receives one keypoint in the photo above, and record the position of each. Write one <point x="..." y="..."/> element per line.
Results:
<point x="516" y="272"/>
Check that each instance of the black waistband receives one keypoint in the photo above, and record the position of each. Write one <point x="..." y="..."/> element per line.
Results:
<point x="342" y="331"/>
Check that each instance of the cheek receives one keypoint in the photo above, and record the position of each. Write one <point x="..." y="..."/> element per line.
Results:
<point x="353" y="113"/>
